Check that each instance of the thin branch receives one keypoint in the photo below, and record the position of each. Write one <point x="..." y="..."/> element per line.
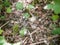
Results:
<point x="4" y="24"/>
<point x="37" y="43"/>
<point x="30" y="36"/>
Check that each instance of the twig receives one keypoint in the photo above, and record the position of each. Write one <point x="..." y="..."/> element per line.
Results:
<point x="30" y="36"/>
<point x="50" y="38"/>
<point x="24" y="41"/>
<point x="37" y="43"/>
<point x="35" y="31"/>
<point x="31" y="13"/>
<point x="4" y="24"/>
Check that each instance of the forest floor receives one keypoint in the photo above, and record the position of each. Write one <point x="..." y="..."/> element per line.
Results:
<point x="39" y="25"/>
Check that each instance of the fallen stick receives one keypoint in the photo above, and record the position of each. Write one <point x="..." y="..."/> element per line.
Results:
<point x="37" y="43"/>
<point x="4" y="24"/>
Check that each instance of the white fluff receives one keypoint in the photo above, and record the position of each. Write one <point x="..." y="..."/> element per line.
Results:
<point x="6" y="43"/>
<point x="17" y="43"/>
<point x="25" y="32"/>
<point x="32" y="19"/>
<point x="46" y="7"/>
<point x="33" y="26"/>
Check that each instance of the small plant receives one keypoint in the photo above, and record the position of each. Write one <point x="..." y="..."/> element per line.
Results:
<point x="2" y="40"/>
<point x="55" y="6"/>
<point x="4" y="7"/>
<point x="56" y="31"/>
<point x="30" y="6"/>
<point x="26" y="15"/>
<point x="55" y="17"/>
<point x="15" y="28"/>
<point x="23" y="31"/>
<point x="19" y="6"/>
<point x="6" y="3"/>
<point x="9" y="10"/>
<point x="2" y="17"/>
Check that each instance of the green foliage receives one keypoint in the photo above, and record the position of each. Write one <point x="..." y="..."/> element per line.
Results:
<point x="15" y="28"/>
<point x="1" y="31"/>
<point x="55" y="17"/>
<point x="2" y="40"/>
<point x="57" y="1"/>
<point x="19" y="6"/>
<point x="9" y="10"/>
<point x="56" y="31"/>
<point x="23" y="31"/>
<point x="30" y="6"/>
<point x="2" y="17"/>
<point x="6" y="3"/>
<point x="4" y="7"/>
<point x="55" y="6"/>
<point x="26" y="15"/>
<point x="49" y="6"/>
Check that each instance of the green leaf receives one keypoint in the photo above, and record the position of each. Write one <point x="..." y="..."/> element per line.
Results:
<point x="56" y="31"/>
<point x="1" y="31"/>
<point x="30" y="6"/>
<point x="55" y="17"/>
<point x="19" y="6"/>
<point x="26" y="15"/>
<point x="2" y="40"/>
<point x="57" y="1"/>
<point x="2" y="17"/>
<point x="6" y="3"/>
<point x="1" y="43"/>
<point x="49" y="6"/>
<point x="56" y="8"/>
<point x="15" y="28"/>
<point x="23" y="31"/>
<point x="9" y="10"/>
